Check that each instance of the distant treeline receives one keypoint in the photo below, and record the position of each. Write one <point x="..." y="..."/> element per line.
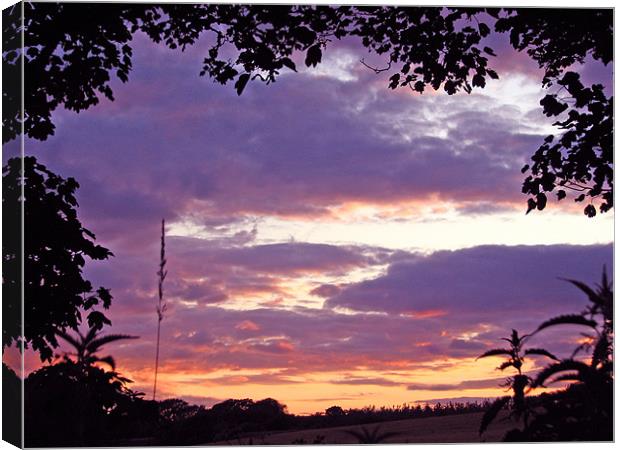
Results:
<point x="176" y="422"/>
<point x="135" y="421"/>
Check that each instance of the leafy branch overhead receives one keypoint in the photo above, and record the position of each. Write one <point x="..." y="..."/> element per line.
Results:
<point x="71" y="64"/>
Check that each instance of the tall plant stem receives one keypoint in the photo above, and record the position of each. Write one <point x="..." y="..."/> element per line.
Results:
<point x="161" y="305"/>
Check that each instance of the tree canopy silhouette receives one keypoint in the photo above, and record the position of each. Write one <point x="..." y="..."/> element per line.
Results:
<point x="69" y="404"/>
<point x="73" y="50"/>
<point x="56" y="247"/>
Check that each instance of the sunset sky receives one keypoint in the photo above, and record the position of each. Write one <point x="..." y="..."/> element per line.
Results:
<point x="329" y="241"/>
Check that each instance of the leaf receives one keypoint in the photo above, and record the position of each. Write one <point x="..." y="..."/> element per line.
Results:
<point x="67" y="337"/>
<point x="551" y="106"/>
<point x="109" y="360"/>
<point x="484" y="29"/>
<point x="314" y="55"/>
<point x="241" y="82"/>
<point x="105" y="297"/>
<point x="89" y="336"/>
<point x="590" y="211"/>
<point x="489" y="51"/>
<point x="96" y="319"/>
<point x="592" y="296"/>
<point x="102" y="340"/>
<point x="565" y="377"/>
<point x="531" y="204"/>
<point x="394" y="80"/>
<point x="495" y="352"/>
<point x="601" y="350"/>
<point x="541" y="352"/>
<point x="304" y="35"/>
<point x="478" y="80"/>
<point x="562" y="366"/>
<point x="289" y="63"/>
<point x="568" y="319"/>
<point x="492" y="412"/>
<point x="505" y="365"/>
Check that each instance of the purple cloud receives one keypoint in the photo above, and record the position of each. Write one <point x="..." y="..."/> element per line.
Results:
<point x="174" y="145"/>
<point x="483" y="280"/>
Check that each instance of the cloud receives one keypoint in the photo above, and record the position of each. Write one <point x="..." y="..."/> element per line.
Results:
<point x="447" y="305"/>
<point x="486" y="281"/>
<point x="180" y="147"/>
<point x="376" y="381"/>
<point x="247" y="325"/>
<point x="464" y="385"/>
<point x="207" y="338"/>
<point x="325" y="290"/>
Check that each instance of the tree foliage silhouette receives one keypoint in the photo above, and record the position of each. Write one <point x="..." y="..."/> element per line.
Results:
<point x="56" y="247"/>
<point x="91" y="394"/>
<point x="73" y="50"/>
<point x="68" y="404"/>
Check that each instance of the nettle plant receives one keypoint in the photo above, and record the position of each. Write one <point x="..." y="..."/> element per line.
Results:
<point x="518" y="383"/>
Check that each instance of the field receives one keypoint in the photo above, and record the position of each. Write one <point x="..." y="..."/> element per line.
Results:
<point x="447" y="429"/>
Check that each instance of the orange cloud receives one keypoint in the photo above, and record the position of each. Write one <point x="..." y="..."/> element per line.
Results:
<point x="425" y="314"/>
<point x="247" y="325"/>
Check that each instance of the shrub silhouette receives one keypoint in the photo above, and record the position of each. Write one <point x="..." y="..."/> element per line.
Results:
<point x="73" y="402"/>
<point x="67" y="405"/>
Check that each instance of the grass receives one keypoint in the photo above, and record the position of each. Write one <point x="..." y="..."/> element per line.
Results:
<point x="461" y="428"/>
